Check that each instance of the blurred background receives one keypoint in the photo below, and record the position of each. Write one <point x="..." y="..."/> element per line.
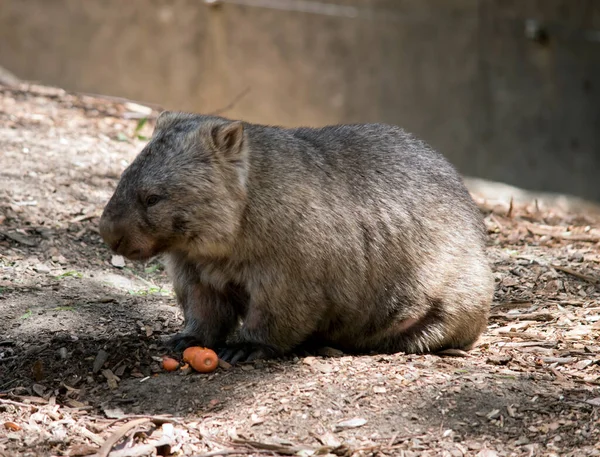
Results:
<point x="508" y="90"/>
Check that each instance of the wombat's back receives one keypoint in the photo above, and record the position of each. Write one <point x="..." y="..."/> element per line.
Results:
<point x="376" y="228"/>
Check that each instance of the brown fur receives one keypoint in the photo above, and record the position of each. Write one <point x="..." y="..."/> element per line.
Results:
<point x="357" y="236"/>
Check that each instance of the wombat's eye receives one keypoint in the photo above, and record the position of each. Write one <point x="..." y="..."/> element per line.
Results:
<point x="152" y="200"/>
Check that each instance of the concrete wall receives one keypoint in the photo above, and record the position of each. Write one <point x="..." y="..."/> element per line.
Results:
<point x="461" y="74"/>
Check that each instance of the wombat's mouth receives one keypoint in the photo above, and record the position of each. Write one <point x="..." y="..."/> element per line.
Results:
<point x="139" y="254"/>
<point x="145" y="253"/>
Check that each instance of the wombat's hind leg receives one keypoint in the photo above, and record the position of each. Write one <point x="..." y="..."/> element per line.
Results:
<point x="436" y="331"/>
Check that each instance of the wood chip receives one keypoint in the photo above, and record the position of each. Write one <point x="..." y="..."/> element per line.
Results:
<point x="100" y="360"/>
<point x="12" y="426"/>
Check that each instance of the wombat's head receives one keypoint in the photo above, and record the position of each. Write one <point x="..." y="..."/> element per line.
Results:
<point x="185" y="190"/>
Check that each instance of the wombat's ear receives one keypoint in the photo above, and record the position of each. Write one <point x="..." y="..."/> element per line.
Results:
<point x="165" y="119"/>
<point x="229" y="138"/>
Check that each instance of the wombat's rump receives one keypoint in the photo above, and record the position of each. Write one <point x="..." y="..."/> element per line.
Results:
<point x="356" y="236"/>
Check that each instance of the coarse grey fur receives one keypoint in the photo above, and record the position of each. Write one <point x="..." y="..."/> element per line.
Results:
<point x="356" y="236"/>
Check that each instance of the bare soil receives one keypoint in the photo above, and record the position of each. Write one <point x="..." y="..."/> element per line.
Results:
<point x="81" y="334"/>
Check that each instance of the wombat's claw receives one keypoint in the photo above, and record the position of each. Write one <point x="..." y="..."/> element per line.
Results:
<point x="182" y="341"/>
<point x="245" y="353"/>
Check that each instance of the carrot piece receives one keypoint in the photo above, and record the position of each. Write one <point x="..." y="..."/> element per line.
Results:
<point x="205" y="361"/>
<point x="169" y="364"/>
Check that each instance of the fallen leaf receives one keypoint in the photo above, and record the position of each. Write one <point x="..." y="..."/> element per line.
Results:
<point x="351" y="423"/>
<point x="594" y="401"/>
<point x="255" y="420"/>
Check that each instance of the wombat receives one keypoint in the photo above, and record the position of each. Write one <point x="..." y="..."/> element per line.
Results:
<point x="358" y="237"/>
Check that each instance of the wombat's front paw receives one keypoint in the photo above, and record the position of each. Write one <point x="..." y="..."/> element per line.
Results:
<point x="182" y="341"/>
<point x="246" y="352"/>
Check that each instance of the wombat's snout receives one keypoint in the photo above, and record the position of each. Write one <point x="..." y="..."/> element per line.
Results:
<point x="110" y="233"/>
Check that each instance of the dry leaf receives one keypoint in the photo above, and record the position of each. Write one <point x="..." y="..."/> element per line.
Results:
<point x="594" y="401"/>
<point x="351" y="423"/>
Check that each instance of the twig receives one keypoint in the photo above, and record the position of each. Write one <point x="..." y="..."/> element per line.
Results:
<point x="497" y="222"/>
<point x="89" y="435"/>
<point x="84" y="217"/>
<point x="16" y="403"/>
<point x="118" y="434"/>
<point x="523" y="335"/>
<point x="233" y="451"/>
<point x="541" y="317"/>
<point x="575" y="273"/>
<point x="524" y="344"/>
<point x="241" y="95"/>
<point x="512" y="304"/>
<point x="510" y="209"/>
<point x="287" y="450"/>
<point x="158" y="420"/>
<point x="536" y="230"/>
<point x="559" y="360"/>
<point x="141" y="450"/>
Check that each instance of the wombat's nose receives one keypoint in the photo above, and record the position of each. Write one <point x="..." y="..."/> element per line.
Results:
<point x="110" y="234"/>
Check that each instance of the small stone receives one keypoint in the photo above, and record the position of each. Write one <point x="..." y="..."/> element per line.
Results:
<point x="117" y="261"/>
<point x="63" y="353"/>
<point x="38" y="389"/>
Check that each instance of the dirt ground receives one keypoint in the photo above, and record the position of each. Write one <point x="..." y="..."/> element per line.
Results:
<point x="81" y="333"/>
